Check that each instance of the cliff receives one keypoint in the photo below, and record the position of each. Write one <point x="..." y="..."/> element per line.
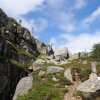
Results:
<point x="18" y="48"/>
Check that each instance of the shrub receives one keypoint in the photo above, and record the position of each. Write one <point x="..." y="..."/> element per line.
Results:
<point x="75" y="94"/>
<point x="96" y="51"/>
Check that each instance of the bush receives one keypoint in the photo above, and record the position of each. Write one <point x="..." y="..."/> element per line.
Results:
<point x="96" y="51"/>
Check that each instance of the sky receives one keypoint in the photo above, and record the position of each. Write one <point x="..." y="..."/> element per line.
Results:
<point x="74" y="24"/>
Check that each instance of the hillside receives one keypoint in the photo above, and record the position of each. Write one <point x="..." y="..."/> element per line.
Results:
<point x="31" y="70"/>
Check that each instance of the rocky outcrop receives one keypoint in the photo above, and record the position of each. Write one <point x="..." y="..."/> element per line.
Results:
<point x="90" y="88"/>
<point x="44" y="49"/>
<point x="23" y="86"/>
<point x="18" y="48"/>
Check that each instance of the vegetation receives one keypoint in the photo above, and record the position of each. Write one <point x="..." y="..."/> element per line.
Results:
<point x="13" y="20"/>
<point x="78" y="94"/>
<point x="43" y="90"/>
<point x="22" y="52"/>
<point x="96" y="51"/>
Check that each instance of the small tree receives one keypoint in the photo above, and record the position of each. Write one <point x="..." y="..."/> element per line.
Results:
<point x="96" y="51"/>
<point x="20" y="21"/>
<point x="32" y="30"/>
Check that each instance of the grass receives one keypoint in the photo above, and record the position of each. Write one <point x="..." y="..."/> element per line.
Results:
<point x="84" y="74"/>
<point x="42" y="90"/>
<point x="13" y="20"/>
<point x="22" y="52"/>
<point x="98" y="69"/>
<point x="13" y="62"/>
<point x="75" y="94"/>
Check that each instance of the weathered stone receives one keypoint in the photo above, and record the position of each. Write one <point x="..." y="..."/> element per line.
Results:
<point x="54" y="69"/>
<point x="38" y="64"/>
<point x="68" y="75"/>
<point x="85" y="62"/>
<point x="83" y="55"/>
<point x="93" y="66"/>
<point x="23" y="86"/>
<point x="42" y="73"/>
<point x="54" y="78"/>
<point x="75" y="56"/>
<point x="90" y="88"/>
<point x="61" y="53"/>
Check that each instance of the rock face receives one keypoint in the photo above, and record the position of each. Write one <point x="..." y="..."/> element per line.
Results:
<point x="17" y="49"/>
<point x="23" y="86"/>
<point x="68" y="74"/>
<point x="54" y="69"/>
<point x="44" y="49"/>
<point x="90" y="88"/>
<point x="38" y="64"/>
<point x="61" y="54"/>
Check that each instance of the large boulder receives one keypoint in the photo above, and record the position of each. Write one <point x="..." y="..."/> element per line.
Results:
<point x="90" y="88"/>
<point x="61" y="54"/>
<point x="54" y="69"/>
<point x="75" y="56"/>
<point x="83" y="55"/>
<point x="38" y="64"/>
<point x="23" y="86"/>
<point x="68" y="75"/>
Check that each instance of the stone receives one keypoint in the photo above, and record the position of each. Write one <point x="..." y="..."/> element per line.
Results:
<point x="83" y="55"/>
<point x="75" y="56"/>
<point x="54" y="78"/>
<point x="61" y="54"/>
<point x="54" y="69"/>
<point x="23" y="86"/>
<point x="41" y="73"/>
<point x="38" y="64"/>
<point x="68" y="75"/>
<point x="93" y="76"/>
<point x="93" y="67"/>
<point x="85" y="62"/>
<point x="90" y="88"/>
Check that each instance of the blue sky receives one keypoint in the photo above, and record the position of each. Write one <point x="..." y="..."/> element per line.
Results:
<point x="65" y="23"/>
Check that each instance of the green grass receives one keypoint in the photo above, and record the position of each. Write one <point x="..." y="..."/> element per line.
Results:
<point x="78" y="94"/>
<point x="22" y="52"/>
<point x="85" y="73"/>
<point x="13" y="20"/>
<point x="98" y="69"/>
<point x="13" y="62"/>
<point x="43" y="90"/>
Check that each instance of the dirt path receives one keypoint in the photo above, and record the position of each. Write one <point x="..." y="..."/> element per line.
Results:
<point x="71" y="89"/>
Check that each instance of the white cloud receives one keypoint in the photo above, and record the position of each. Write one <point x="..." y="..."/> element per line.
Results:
<point x="20" y="7"/>
<point x="90" y="19"/>
<point x="82" y="42"/>
<point x="38" y="25"/>
<point x="66" y="21"/>
<point x="80" y="4"/>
